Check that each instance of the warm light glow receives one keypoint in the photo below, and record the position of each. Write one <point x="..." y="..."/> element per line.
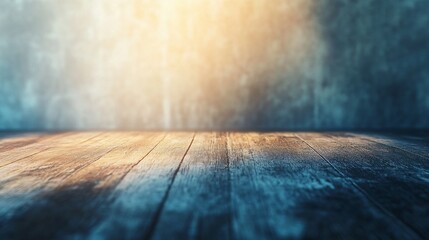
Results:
<point x="170" y="64"/>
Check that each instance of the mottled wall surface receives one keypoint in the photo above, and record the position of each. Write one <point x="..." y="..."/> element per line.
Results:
<point x="214" y="64"/>
<point x="376" y="72"/>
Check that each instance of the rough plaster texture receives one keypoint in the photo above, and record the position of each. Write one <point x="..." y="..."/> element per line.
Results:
<point x="221" y="64"/>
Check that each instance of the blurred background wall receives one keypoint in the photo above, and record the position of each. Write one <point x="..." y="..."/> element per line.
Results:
<point x="214" y="64"/>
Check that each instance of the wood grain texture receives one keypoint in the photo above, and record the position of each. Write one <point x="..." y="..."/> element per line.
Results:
<point x="198" y="205"/>
<point x="31" y="177"/>
<point x="14" y="140"/>
<point x="13" y="153"/>
<point x="390" y="177"/>
<point x="87" y="183"/>
<point x="282" y="189"/>
<point x="142" y="193"/>
<point x="418" y="145"/>
<point x="213" y="185"/>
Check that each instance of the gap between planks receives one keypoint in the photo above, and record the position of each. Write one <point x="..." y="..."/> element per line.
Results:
<point x="158" y="211"/>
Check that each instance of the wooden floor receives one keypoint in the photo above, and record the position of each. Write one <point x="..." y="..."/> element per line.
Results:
<point x="185" y="185"/>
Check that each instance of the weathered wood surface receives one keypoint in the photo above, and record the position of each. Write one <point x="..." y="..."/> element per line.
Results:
<point x="214" y="185"/>
<point x="377" y="169"/>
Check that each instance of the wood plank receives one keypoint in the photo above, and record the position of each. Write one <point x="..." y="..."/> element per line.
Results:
<point x="239" y="186"/>
<point x="141" y="194"/>
<point x="282" y="189"/>
<point x="15" y="154"/>
<point x="16" y="140"/>
<point x="392" y="178"/>
<point x="416" y="145"/>
<point x="110" y="168"/>
<point x="22" y="180"/>
<point x="43" y="157"/>
<point x="198" y="204"/>
<point x="75" y="202"/>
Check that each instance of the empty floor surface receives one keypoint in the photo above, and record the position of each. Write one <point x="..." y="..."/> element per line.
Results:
<point x="214" y="185"/>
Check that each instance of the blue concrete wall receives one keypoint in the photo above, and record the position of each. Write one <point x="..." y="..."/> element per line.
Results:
<point x="328" y="64"/>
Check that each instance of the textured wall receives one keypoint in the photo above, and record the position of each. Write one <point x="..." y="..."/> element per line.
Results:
<point x="214" y="64"/>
